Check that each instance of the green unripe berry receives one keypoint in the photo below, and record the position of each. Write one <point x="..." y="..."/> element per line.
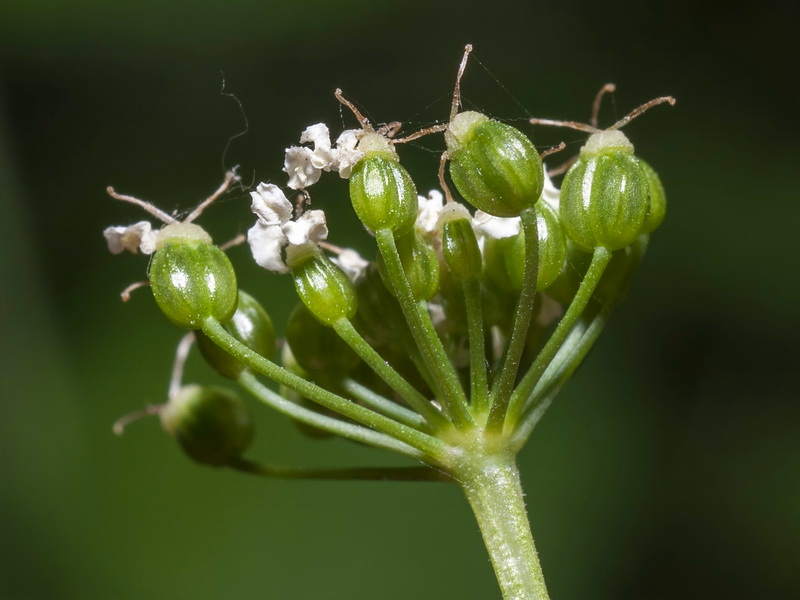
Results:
<point x="250" y="325"/>
<point x="420" y="264"/>
<point x="605" y="196"/>
<point x="316" y="348"/>
<point x="212" y="424"/>
<point x="381" y="190"/>
<point x="493" y="165"/>
<point x="191" y="278"/>
<point x="658" y="199"/>
<point x="459" y="244"/>
<point x="324" y="289"/>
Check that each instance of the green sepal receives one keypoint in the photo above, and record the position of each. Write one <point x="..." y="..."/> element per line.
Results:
<point x="658" y="199"/>
<point x="318" y="349"/>
<point x="605" y="199"/>
<point x="191" y="281"/>
<point x="383" y="194"/>
<point x="496" y="168"/>
<point x="420" y="264"/>
<point x="212" y="424"/>
<point x="251" y="325"/>
<point x="325" y="289"/>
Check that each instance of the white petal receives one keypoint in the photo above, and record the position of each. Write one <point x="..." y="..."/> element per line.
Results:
<point x="352" y="263"/>
<point x="299" y="165"/>
<point x="322" y="157"/>
<point x="430" y="209"/>
<point x="266" y="242"/>
<point x="550" y="193"/>
<point x="310" y="227"/>
<point x="345" y="154"/>
<point x="495" y="227"/>
<point x="138" y="236"/>
<point x="270" y="204"/>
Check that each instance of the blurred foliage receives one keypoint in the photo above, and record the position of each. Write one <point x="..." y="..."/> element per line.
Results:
<point x="669" y="468"/>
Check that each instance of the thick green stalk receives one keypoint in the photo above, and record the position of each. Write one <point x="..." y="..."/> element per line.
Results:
<point x="444" y="376"/>
<point x="431" y="446"/>
<point x="493" y="489"/>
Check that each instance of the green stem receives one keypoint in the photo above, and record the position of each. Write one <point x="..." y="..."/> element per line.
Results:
<point x="357" y="473"/>
<point x="445" y="379"/>
<point x="600" y="260"/>
<point x="431" y="446"/>
<point x="386" y="372"/>
<point x="345" y="429"/>
<point x="501" y="390"/>
<point x="479" y="387"/>
<point x="493" y="489"/>
<point x="365" y="396"/>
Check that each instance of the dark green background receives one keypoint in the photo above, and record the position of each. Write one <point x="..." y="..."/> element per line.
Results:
<point x="668" y="468"/>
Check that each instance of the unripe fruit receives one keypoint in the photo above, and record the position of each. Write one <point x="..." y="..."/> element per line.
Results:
<point x="325" y="289"/>
<point x="212" y="424"/>
<point x="250" y="325"/>
<point x="420" y="264"/>
<point x="191" y="278"/>
<point x="493" y="165"/>
<point x="605" y="196"/>
<point x="381" y="190"/>
<point x="317" y="348"/>
<point x="658" y="199"/>
<point x="459" y="244"/>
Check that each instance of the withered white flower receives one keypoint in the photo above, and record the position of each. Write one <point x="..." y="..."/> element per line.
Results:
<point x="430" y="209"/>
<point x="275" y="229"/>
<point x="137" y="237"/>
<point x="352" y="263"/>
<point x="305" y="166"/>
<point x="486" y="225"/>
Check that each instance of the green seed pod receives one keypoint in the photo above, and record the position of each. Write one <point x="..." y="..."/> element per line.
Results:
<point x="250" y="325"/>
<point x="316" y="348"/>
<point x="658" y="199"/>
<point x="420" y="264"/>
<point x="605" y="196"/>
<point x="381" y="190"/>
<point x="379" y="318"/>
<point x="191" y="278"/>
<point x="212" y="424"/>
<point x="459" y="245"/>
<point x="552" y="250"/>
<point x="493" y="165"/>
<point x="324" y="289"/>
<point x="565" y="287"/>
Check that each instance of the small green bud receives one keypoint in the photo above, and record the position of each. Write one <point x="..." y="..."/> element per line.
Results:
<point x="250" y="325"/>
<point x="317" y="348"/>
<point x="658" y="199"/>
<point x="459" y="244"/>
<point x="381" y="190"/>
<point x="605" y="196"/>
<point x="493" y="165"/>
<point x="212" y="424"/>
<point x="191" y="278"/>
<point x="324" y="289"/>
<point x="420" y="264"/>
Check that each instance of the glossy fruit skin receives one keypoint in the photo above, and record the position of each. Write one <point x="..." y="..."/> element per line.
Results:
<point x="252" y="326"/>
<point x="192" y="281"/>
<point x="658" y="199"/>
<point x="605" y="199"/>
<point x="420" y="264"/>
<point x="460" y="249"/>
<point x="383" y="194"/>
<point x="212" y="424"/>
<point x="325" y="289"/>
<point x="497" y="169"/>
